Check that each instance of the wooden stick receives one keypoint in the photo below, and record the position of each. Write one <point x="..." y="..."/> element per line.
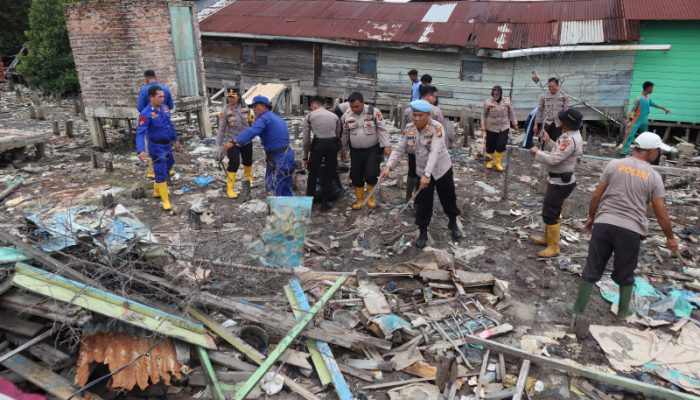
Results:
<point x="395" y="383"/>
<point x="371" y="193"/>
<point x="29" y="343"/>
<point x="9" y="190"/>
<point x="630" y="384"/>
<point x="484" y="364"/>
<point x="522" y="378"/>
<point x="216" y="389"/>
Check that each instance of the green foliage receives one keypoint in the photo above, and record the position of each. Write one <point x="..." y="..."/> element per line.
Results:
<point x="49" y="65"/>
<point x="13" y="22"/>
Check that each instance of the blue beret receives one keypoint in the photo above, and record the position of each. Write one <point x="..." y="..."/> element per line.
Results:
<point x="263" y="100"/>
<point x="421" y="106"/>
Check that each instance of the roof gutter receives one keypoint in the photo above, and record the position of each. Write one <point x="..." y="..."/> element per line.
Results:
<point x="573" y="48"/>
<point x="272" y="37"/>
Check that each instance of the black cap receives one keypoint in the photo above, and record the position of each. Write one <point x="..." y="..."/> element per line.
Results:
<point x="413" y="72"/>
<point x="571" y="117"/>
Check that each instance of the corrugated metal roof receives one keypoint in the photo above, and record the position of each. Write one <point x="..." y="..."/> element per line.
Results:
<point x="481" y="24"/>
<point x="688" y="10"/>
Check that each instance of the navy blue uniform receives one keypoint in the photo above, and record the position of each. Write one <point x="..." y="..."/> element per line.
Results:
<point x="274" y="135"/>
<point x="156" y="126"/>
<point x="144" y="101"/>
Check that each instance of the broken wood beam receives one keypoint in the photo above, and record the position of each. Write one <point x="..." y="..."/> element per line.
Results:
<point x="28" y="343"/>
<point x="288" y="340"/>
<point x="44" y="378"/>
<point x="238" y="266"/>
<point x="235" y="341"/>
<point x="578" y="370"/>
<point x="384" y="385"/>
<point x="210" y="374"/>
<point x="9" y="190"/>
<point x="522" y="379"/>
<point x="321" y="369"/>
<point x="482" y="372"/>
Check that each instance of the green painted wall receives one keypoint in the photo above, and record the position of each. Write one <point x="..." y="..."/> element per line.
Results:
<point x="675" y="73"/>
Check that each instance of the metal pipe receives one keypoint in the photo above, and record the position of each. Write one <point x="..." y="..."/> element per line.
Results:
<point x="565" y="49"/>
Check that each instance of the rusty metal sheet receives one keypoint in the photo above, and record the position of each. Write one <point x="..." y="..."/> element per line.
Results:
<point x="652" y="10"/>
<point x="117" y="349"/>
<point x="482" y="24"/>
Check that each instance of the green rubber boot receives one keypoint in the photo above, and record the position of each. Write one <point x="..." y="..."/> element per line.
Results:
<point x="584" y="293"/>
<point x="623" y="307"/>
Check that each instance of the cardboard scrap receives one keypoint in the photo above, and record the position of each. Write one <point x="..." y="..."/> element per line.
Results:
<point x="677" y="361"/>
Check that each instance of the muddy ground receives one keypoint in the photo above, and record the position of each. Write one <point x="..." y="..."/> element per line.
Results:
<point x="366" y="239"/>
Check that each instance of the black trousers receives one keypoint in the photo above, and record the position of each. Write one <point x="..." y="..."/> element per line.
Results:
<point x="553" y="131"/>
<point x="235" y="154"/>
<point x="554" y="200"/>
<point x="323" y="152"/>
<point x="412" y="166"/>
<point x="496" y="141"/>
<point x="364" y="166"/>
<point x="446" y="193"/>
<point x="608" y="239"/>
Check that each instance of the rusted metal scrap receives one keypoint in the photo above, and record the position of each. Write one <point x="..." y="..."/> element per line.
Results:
<point x="117" y="349"/>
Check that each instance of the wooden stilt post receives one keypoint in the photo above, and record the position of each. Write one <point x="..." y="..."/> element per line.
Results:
<point x="55" y="128"/>
<point x="69" y="128"/>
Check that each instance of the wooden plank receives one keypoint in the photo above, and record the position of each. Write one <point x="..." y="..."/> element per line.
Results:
<point x="341" y="387"/>
<point x="356" y="372"/>
<point x="295" y="357"/>
<point x="522" y="379"/>
<point x="370" y="365"/>
<point x="321" y="370"/>
<point x="372" y="295"/>
<point x="198" y="378"/>
<point x="479" y="382"/>
<point x="28" y="343"/>
<point x="472" y="279"/>
<point x="53" y="357"/>
<point x="217" y="391"/>
<point x="9" y="190"/>
<point x="630" y="384"/>
<point x="236" y="342"/>
<point x="385" y="385"/>
<point x="44" y="378"/>
<point x="72" y="292"/>
<point x="230" y="360"/>
<point x="10" y="322"/>
<point x="288" y="340"/>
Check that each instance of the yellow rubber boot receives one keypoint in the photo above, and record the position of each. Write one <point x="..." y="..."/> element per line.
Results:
<point x="371" y="202"/>
<point x="151" y="173"/>
<point x="164" y="195"/>
<point x="499" y="158"/>
<point x="230" y="180"/>
<point x="552" y="249"/>
<point x="248" y="173"/>
<point x="156" y="192"/>
<point x="360" y="195"/>
<point x="489" y="164"/>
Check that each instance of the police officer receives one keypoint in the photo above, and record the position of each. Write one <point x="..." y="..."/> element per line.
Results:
<point x="365" y="135"/>
<point x="429" y="94"/>
<point x="551" y="103"/>
<point x="156" y="127"/>
<point x="143" y="101"/>
<point x="496" y="119"/>
<point x="274" y="136"/>
<point x="322" y="150"/>
<point x="560" y="163"/>
<point x="617" y="221"/>
<point x="234" y="119"/>
<point x="425" y="137"/>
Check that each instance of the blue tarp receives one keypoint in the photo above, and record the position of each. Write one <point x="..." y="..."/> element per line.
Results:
<point x="282" y="241"/>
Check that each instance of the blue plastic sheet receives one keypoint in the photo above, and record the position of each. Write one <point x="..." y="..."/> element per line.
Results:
<point x="11" y="255"/>
<point x="282" y="241"/>
<point x="202" y="181"/>
<point x="670" y="305"/>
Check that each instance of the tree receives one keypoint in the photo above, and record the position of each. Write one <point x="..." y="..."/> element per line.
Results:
<point x="13" y="23"/>
<point x="49" y="65"/>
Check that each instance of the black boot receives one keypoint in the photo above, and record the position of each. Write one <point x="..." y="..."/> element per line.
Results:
<point x="454" y="229"/>
<point x="422" y="240"/>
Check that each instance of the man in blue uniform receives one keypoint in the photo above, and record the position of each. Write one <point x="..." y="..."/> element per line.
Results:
<point x="415" y="84"/>
<point x="143" y="101"/>
<point x="156" y="127"/>
<point x="274" y="135"/>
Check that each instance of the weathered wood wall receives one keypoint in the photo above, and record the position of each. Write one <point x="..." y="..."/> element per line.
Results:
<point x="600" y="79"/>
